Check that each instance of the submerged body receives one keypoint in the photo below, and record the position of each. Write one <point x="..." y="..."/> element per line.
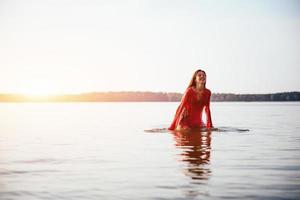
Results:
<point x="189" y="112"/>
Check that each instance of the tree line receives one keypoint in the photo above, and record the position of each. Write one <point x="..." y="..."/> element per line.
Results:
<point x="128" y="96"/>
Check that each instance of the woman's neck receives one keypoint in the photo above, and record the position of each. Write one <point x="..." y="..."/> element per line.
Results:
<point x="199" y="86"/>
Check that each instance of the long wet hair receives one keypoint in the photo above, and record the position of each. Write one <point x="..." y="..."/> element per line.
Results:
<point x="193" y="80"/>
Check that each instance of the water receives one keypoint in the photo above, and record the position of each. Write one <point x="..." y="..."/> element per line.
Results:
<point x="106" y="151"/>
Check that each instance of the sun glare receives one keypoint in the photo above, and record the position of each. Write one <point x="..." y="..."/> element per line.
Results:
<point x="38" y="90"/>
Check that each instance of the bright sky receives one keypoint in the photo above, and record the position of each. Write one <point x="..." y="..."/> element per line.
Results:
<point x="56" y="46"/>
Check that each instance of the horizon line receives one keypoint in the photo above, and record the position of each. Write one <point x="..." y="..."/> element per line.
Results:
<point x="130" y="91"/>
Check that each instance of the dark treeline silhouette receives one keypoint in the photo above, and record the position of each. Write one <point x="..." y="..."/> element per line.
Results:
<point x="125" y="96"/>
<point x="282" y="96"/>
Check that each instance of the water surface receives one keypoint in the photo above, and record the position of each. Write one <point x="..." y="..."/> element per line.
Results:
<point x="104" y="151"/>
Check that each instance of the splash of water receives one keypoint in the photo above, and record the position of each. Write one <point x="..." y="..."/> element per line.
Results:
<point x="215" y="129"/>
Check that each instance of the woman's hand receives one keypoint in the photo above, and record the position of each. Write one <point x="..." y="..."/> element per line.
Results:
<point x="182" y="128"/>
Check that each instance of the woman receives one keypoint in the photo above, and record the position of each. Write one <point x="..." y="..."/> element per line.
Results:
<point x="195" y="99"/>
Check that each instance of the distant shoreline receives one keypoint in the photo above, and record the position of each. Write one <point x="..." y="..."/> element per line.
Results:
<point x="148" y="97"/>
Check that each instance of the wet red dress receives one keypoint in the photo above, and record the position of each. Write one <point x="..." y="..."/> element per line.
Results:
<point x="194" y="108"/>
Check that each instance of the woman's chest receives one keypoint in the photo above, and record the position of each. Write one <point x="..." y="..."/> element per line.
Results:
<point x="199" y="98"/>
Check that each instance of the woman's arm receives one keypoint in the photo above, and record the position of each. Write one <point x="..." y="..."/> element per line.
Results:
<point x="207" y="111"/>
<point x="182" y="111"/>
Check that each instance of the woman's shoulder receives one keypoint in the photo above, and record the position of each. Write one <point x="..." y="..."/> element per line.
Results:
<point x="190" y="89"/>
<point x="207" y="91"/>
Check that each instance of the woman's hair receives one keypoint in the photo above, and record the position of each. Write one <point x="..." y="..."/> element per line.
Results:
<point x="193" y="80"/>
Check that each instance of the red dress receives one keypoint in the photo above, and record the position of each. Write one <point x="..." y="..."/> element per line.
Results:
<point x="194" y="108"/>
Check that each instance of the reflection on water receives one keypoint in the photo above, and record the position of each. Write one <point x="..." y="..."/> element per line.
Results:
<point x="195" y="153"/>
<point x="195" y="149"/>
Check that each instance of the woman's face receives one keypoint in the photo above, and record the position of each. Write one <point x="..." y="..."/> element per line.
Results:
<point x="200" y="77"/>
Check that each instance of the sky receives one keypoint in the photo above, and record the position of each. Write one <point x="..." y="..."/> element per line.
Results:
<point x="74" y="46"/>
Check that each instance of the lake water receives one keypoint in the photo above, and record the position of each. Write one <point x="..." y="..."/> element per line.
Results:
<point x="102" y="151"/>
